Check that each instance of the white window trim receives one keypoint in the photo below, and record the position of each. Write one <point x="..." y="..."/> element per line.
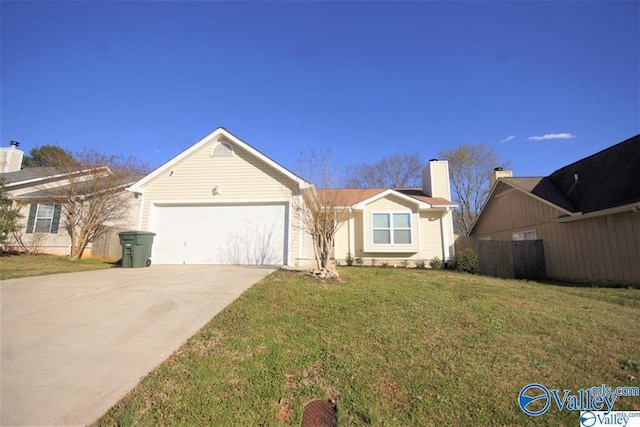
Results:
<point x="520" y="235"/>
<point x="392" y="228"/>
<point x="38" y="217"/>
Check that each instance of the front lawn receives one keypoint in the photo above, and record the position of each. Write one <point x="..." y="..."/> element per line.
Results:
<point x="15" y="266"/>
<point x="394" y="347"/>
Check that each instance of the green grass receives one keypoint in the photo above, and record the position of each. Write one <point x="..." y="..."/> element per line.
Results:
<point x="393" y="347"/>
<point x="15" y="266"/>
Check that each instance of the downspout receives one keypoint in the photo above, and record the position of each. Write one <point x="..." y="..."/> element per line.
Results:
<point x="141" y="212"/>
<point x="300" y="230"/>
<point x="445" y="234"/>
<point x="351" y="234"/>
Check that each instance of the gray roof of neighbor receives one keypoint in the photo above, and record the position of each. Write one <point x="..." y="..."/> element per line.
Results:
<point x="604" y="180"/>
<point x="27" y="174"/>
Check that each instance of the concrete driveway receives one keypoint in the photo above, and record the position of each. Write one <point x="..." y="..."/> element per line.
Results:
<point x="74" y="344"/>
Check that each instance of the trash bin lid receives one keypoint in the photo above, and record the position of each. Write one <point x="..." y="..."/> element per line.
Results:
<point x="134" y="233"/>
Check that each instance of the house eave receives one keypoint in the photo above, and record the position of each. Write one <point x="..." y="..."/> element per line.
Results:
<point x="528" y="193"/>
<point x="633" y="207"/>
<point x="55" y="177"/>
<point x="138" y="187"/>
<point x="421" y="205"/>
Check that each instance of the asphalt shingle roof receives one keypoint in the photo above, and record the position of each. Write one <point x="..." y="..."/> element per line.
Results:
<point x="353" y="196"/>
<point x="604" y="180"/>
<point x="27" y="174"/>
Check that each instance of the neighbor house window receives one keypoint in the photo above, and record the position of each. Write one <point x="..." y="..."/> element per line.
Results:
<point x="525" y="235"/>
<point x="392" y="228"/>
<point x="43" y="218"/>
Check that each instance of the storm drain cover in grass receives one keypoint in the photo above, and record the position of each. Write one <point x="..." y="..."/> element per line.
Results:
<point x="319" y="413"/>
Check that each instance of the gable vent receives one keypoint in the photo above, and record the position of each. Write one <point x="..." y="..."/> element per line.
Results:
<point x="222" y="149"/>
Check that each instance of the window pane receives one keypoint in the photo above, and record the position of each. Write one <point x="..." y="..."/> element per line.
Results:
<point x="381" y="236"/>
<point x="381" y="221"/>
<point x="43" y="226"/>
<point x="402" y="236"/>
<point x="401" y="220"/>
<point x="45" y="211"/>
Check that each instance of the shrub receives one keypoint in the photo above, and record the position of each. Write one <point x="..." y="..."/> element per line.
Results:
<point x="435" y="263"/>
<point x="359" y="261"/>
<point x="421" y="264"/>
<point x="466" y="260"/>
<point x="373" y="262"/>
<point x="384" y="264"/>
<point x="349" y="259"/>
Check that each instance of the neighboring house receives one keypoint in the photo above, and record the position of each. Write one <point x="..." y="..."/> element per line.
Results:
<point x="397" y="226"/>
<point x="223" y="202"/>
<point x="587" y="214"/>
<point x="44" y="229"/>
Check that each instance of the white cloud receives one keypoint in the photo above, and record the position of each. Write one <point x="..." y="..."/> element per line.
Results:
<point x="509" y="138"/>
<point x="565" y="135"/>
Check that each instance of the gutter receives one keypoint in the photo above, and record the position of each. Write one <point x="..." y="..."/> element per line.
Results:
<point x="633" y="207"/>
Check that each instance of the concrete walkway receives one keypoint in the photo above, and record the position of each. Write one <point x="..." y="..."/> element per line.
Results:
<point x="72" y="345"/>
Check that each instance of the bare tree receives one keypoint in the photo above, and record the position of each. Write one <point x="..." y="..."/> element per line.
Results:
<point x="470" y="166"/>
<point x="322" y="211"/>
<point x="92" y="194"/>
<point x="9" y="215"/>
<point x="397" y="171"/>
<point x="47" y="155"/>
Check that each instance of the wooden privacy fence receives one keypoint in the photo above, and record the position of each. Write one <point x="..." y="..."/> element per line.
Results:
<point x="517" y="259"/>
<point x="107" y="246"/>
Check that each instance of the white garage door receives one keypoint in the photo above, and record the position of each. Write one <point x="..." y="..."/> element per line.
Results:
<point x="221" y="234"/>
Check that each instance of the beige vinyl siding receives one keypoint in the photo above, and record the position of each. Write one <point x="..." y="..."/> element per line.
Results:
<point x="427" y="227"/>
<point x="301" y="251"/>
<point x="48" y="243"/>
<point x="240" y="177"/>
<point x="390" y="204"/>
<point x="60" y="243"/>
<point x="341" y="243"/>
<point x="431" y="244"/>
<point x="603" y="249"/>
<point x="439" y="179"/>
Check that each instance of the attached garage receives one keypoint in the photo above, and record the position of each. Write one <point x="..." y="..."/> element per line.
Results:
<point x="247" y="234"/>
<point x="221" y="201"/>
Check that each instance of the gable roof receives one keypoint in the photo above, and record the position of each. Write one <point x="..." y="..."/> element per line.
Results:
<point x="27" y="175"/>
<point x="543" y="188"/>
<point x="356" y="196"/>
<point x="605" y="180"/>
<point x="84" y="188"/>
<point x="214" y="136"/>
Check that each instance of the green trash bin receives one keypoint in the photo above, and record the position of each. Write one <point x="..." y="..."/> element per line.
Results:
<point x="136" y="248"/>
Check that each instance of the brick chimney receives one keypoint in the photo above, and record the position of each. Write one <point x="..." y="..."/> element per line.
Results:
<point x="499" y="173"/>
<point x="435" y="179"/>
<point x="11" y="158"/>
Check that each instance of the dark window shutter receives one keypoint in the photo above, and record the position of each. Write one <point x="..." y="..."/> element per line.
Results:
<point x="32" y="217"/>
<point x="56" y="219"/>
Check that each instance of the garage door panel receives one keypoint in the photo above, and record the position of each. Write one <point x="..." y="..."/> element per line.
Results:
<point x="219" y="234"/>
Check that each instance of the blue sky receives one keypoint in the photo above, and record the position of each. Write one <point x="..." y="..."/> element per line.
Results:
<point x="542" y="83"/>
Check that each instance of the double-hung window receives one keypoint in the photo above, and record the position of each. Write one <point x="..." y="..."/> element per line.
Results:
<point x="43" y="218"/>
<point x="524" y="235"/>
<point x="391" y="228"/>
